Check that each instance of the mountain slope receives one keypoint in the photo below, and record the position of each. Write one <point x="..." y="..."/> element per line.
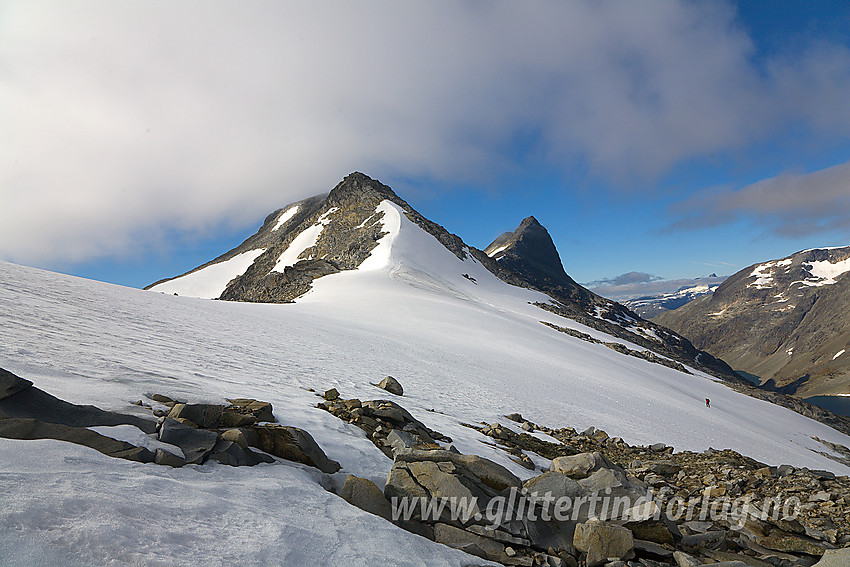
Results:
<point x="785" y="321"/>
<point x="339" y="232"/>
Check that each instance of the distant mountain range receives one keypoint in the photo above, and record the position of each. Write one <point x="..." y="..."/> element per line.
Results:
<point x="649" y="306"/>
<point x="785" y="321"/>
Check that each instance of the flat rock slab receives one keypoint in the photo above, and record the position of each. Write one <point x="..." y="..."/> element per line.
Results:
<point x="31" y="429"/>
<point x="33" y="403"/>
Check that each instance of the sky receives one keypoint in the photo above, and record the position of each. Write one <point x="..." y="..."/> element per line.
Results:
<point x="666" y="138"/>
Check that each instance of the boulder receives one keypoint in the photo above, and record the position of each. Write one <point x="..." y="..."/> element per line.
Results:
<point x="230" y="453"/>
<point x="11" y="384"/>
<point x="682" y="559"/>
<point x="835" y="558"/>
<point x="391" y="385"/>
<point x="557" y="484"/>
<point x="399" y="439"/>
<point x="290" y="443"/>
<point x="260" y="411"/>
<point x="204" y="415"/>
<point x="235" y="436"/>
<point x="366" y="495"/>
<point x="331" y="394"/>
<point x="195" y="443"/>
<point x="581" y="465"/>
<point x="491" y="474"/>
<point x="602" y="541"/>
<point x="388" y="410"/>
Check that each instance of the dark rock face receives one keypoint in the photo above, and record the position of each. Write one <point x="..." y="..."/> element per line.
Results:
<point x="778" y="321"/>
<point x="530" y="252"/>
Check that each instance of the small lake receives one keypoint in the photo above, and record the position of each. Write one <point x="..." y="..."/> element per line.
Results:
<point x="749" y="377"/>
<point x="835" y="404"/>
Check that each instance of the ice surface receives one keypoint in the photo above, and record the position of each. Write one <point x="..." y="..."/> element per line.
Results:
<point x="210" y="282"/>
<point x="472" y="351"/>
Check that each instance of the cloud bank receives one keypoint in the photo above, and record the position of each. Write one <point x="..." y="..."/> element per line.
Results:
<point x="788" y="205"/>
<point x="125" y="120"/>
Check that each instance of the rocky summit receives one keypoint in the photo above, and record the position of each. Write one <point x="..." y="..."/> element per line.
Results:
<point x="783" y="321"/>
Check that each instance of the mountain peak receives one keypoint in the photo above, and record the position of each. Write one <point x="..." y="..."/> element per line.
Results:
<point x="359" y="187"/>
<point x="530" y="251"/>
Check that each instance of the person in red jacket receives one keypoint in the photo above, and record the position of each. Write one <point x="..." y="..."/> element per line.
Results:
<point x="707" y="403"/>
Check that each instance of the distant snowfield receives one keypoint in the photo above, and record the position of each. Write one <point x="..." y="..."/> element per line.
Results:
<point x="472" y="351"/>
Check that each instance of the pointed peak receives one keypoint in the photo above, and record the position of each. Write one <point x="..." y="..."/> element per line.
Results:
<point x="529" y="221"/>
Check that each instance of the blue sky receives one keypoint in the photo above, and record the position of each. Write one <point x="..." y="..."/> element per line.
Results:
<point x="671" y="138"/>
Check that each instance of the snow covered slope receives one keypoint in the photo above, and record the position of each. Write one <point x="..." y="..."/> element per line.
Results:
<point x="460" y="340"/>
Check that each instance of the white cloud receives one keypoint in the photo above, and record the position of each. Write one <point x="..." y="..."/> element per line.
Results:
<point x="122" y="118"/>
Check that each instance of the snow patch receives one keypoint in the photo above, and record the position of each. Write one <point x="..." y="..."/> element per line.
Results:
<point x="839" y="353"/>
<point x="764" y="273"/>
<point x="210" y="282"/>
<point x="307" y="239"/>
<point x="825" y="272"/>
<point x="497" y="250"/>
<point x="285" y="216"/>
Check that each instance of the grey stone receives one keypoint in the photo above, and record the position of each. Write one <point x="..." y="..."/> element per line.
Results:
<point x="581" y="465"/>
<point x="391" y="385"/>
<point x="11" y="384"/>
<point x="664" y="468"/>
<point x="653" y="549"/>
<point x="170" y="459"/>
<point x="402" y="439"/>
<point x="709" y="540"/>
<point x="230" y="453"/>
<point x="527" y="426"/>
<point x="471" y="543"/>
<point x="557" y="484"/>
<point x="366" y="495"/>
<point x="602" y="541"/>
<point x="195" y="443"/>
<point x="835" y="558"/>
